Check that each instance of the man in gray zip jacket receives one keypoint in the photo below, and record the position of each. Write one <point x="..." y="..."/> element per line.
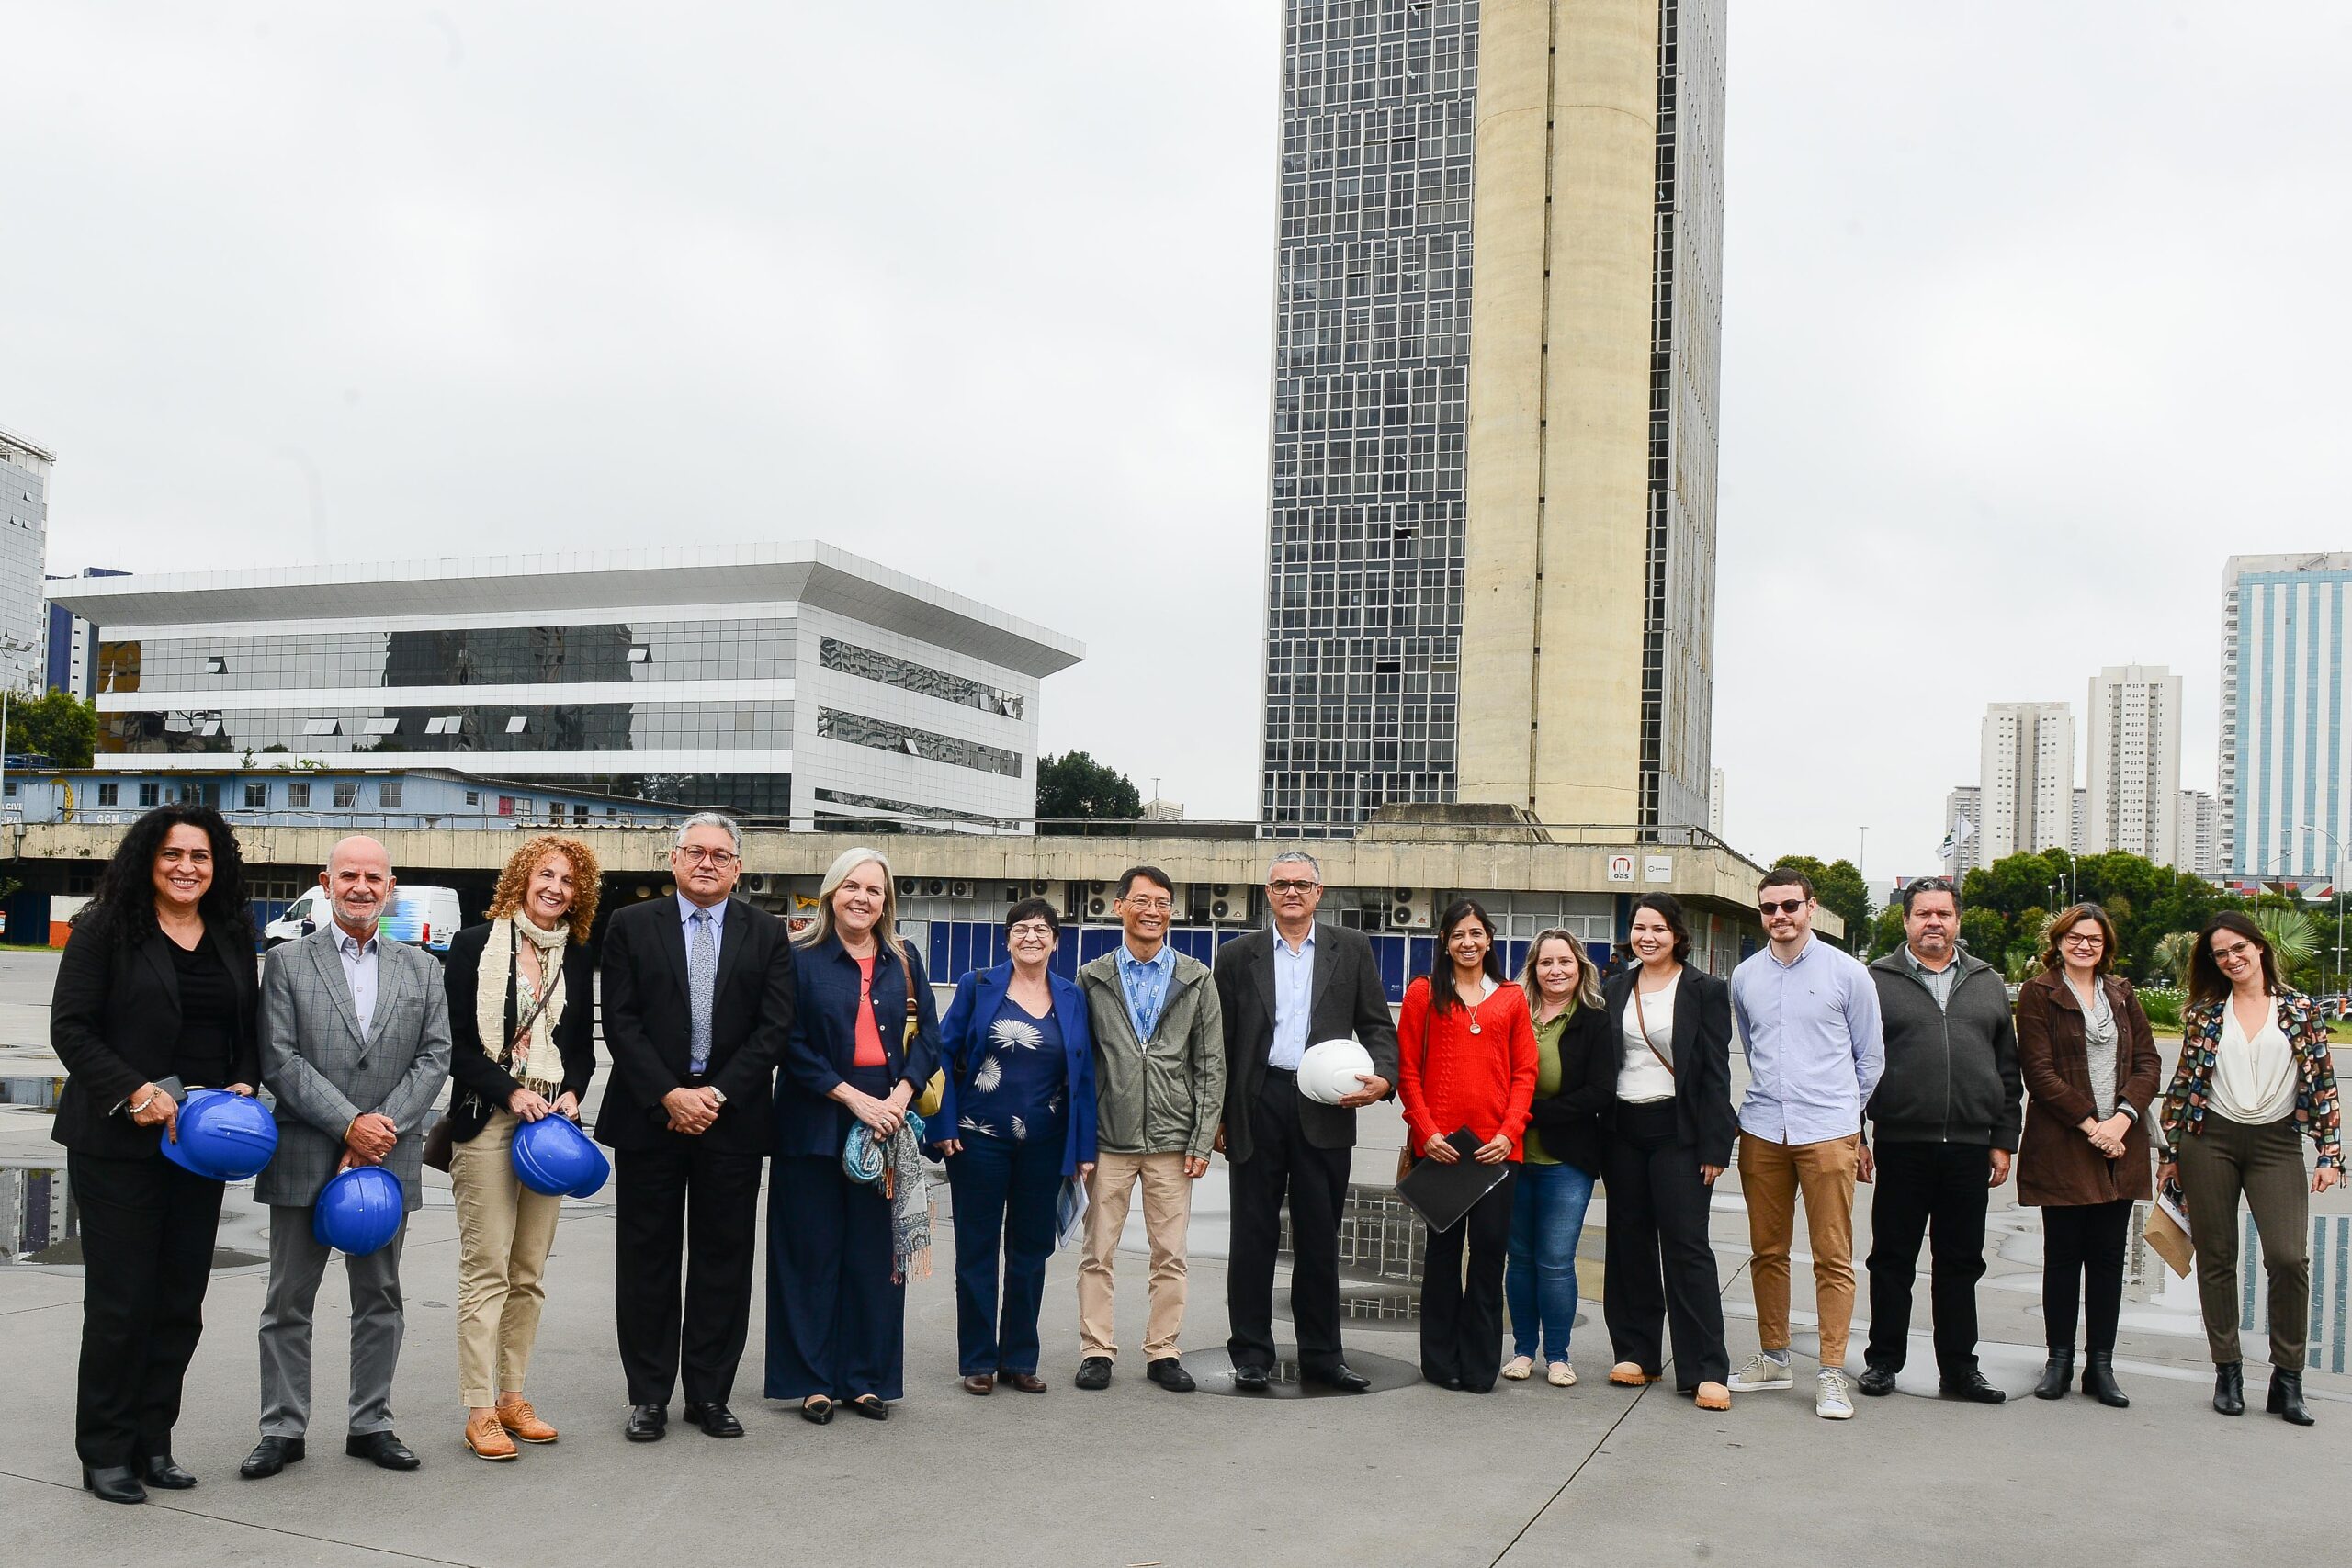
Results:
<point x="1160" y="1081"/>
<point x="1945" y="1120"/>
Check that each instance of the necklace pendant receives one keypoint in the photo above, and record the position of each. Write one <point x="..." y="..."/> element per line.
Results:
<point x="1474" y="1027"/>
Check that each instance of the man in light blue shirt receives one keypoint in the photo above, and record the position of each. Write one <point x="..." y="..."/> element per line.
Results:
<point x="1808" y="1020"/>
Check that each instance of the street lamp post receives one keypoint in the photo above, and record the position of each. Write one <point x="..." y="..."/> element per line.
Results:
<point x="2336" y="883"/>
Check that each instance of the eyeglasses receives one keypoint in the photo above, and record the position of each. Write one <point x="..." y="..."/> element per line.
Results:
<point x="2084" y="939"/>
<point x="1160" y="904"/>
<point x="1032" y="930"/>
<point x="1286" y="887"/>
<point x="1784" y="907"/>
<point x="2239" y="950"/>
<point x="722" y="858"/>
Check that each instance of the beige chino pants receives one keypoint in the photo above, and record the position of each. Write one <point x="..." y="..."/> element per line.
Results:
<point x="504" y="1229"/>
<point x="1771" y="1177"/>
<point x="1166" y="1214"/>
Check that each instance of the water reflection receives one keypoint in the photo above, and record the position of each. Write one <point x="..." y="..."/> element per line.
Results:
<point x="40" y="1093"/>
<point x="1213" y="1372"/>
<point x="40" y="1224"/>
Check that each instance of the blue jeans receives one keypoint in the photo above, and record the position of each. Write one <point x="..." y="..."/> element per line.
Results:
<point x="1005" y="1192"/>
<point x="1539" y="1280"/>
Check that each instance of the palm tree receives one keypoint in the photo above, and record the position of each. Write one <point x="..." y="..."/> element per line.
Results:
<point x="2172" y="955"/>
<point x="2294" y="941"/>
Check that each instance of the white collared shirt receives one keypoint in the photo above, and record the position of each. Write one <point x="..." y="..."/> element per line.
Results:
<point x="359" y="970"/>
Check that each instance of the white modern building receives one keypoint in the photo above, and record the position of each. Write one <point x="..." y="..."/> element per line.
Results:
<point x="2132" y="760"/>
<point x="24" y="547"/>
<point x="2026" y="780"/>
<point x="1965" y="803"/>
<point x="787" y="681"/>
<point x="2196" y="834"/>
<point x="2286" y="781"/>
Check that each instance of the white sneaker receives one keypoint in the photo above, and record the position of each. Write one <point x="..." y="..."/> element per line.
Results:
<point x="1762" y="1372"/>
<point x="1830" y="1401"/>
<point x="1561" y="1375"/>
<point x="1518" y="1367"/>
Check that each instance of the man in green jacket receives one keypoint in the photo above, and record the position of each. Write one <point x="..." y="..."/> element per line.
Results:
<point x="1159" y="1079"/>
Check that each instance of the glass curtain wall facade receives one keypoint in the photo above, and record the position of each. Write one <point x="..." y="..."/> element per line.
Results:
<point x="1365" y="534"/>
<point x="24" y="552"/>
<point x="2286" y="751"/>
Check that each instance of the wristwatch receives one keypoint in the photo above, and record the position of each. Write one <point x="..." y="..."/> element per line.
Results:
<point x="717" y="1093"/>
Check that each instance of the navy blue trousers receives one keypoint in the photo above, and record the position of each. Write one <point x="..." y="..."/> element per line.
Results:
<point x="836" y="1321"/>
<point x="1004" y="1189"/>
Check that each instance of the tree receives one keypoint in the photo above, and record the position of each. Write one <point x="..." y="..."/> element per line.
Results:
<point x="2294" y="943"/>
<point x="1987" y="935"/>
<point x="60" y="726"/>
<point x="2171" y="952"/>
<point x="1839" y="886"/>
<point x="1075" y="786"/>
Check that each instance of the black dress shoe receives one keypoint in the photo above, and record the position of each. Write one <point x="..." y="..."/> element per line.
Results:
<point x="1344" y="1378"/>
<point x="870" y="1406"/>
<point x="1094" y="1372"/>
<point x="2057" y="1373"/>
<point x="647" y="1423"/>
<point x="1876" y="1381"/>
<point x="2287" y="1397"/>
<point x="2229" y="1387"/>
<point x="163" y="1471"/>
<point x="112" y="1483"/>
<point x="270" y="1456"/>
<point x="716" y="1420"/>
<point x="816" y="1410"/>
<point x="1251" y="1380"/>
<point x="1170" y="1373"/>
<point x="381" y="1449"/>
<point x="1971" y="1386"/>
<point x="2098" y="1380"/>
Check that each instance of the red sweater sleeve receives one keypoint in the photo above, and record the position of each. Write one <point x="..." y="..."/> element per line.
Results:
<point x="1412" y="1047"/>
<point x="1524" y="1065"/>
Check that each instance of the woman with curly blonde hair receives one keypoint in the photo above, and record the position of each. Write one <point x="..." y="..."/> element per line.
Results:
<point x="522" y="1015"/>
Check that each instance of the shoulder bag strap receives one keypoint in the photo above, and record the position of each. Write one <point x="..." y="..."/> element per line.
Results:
<point x="1643" y="1023"/>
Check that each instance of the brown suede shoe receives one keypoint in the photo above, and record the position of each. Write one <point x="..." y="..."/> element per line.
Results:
<point x="487" y="1437"/>
<point x="514" y="1414"/>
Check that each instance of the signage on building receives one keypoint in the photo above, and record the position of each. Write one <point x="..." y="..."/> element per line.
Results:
<point x="1621" y="868"/>
<point x="1657" y="868"/>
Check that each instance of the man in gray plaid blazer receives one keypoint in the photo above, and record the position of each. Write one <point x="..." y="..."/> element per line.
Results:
<point x="354" y="1044"/>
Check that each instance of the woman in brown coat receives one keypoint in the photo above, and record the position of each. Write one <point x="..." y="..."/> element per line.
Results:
<point x="2090" y="1068"/>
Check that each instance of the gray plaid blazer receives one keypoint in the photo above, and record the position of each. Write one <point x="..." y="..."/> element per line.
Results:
<point x="323" y="1074"/>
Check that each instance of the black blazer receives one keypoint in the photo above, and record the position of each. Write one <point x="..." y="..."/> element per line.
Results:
<point x="648" y="1024"/>
<point x="482" y="1086"/>
<point x="113" y="1021"/>
<point x="1703" y="1116"/>
<point x="1573" y="1123"/>
<point x="1348" y="1004"/>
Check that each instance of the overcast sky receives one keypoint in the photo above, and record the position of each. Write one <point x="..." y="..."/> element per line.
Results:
<point x="2031" y="316"/>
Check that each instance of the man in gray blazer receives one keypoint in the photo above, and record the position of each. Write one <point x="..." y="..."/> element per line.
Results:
<point x="354" y="1044"/>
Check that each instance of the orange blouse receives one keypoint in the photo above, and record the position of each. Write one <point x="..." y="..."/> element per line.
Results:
<point x="1449" y="1078"/>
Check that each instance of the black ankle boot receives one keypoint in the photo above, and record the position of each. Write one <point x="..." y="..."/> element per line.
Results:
<point x="2229" y="1387"/>
<point x="2098" y="1380"/>
<point x="2287" y="1397"/>
<point x="2056" y="1375"/>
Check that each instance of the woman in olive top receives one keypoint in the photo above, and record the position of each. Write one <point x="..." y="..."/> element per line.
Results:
<point x="1576" y="1079"/>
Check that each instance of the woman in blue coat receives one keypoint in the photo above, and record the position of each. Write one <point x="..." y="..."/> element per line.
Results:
<point x="865" y="1041"/>
<point x="1016" y="1120"/>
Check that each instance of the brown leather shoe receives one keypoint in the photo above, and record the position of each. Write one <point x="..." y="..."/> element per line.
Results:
<point x="514" y="1414"/>
<point x="1024" y="1382"/>
<point x="979" y="1382"/>
<point x="487" y="1437"/>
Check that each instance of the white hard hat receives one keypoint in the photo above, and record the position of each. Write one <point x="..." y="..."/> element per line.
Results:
<point x="1332" y="1068"/>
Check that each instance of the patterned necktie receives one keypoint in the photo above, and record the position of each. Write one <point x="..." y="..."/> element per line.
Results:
<point x="702" y="974"/>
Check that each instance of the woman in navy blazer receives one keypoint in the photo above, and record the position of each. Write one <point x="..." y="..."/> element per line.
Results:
<point x="1016" y="1120"/>
<point x="837" y="1291"/>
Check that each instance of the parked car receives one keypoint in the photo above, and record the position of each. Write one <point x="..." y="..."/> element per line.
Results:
<point x="423" y="915"/>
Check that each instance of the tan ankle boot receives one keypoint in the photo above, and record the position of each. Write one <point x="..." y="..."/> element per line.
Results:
<point x="514" y="1414"/>
<point x="487" y="1437"/>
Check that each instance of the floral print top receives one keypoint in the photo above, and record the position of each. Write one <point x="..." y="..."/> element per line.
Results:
<point x="2304" y="1023"/>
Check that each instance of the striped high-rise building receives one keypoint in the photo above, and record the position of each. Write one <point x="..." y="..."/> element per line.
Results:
<point x="1491" y="532"/>
<point x="2285" y="791"/>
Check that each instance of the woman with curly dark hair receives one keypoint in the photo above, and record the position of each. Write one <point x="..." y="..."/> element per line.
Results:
<point x="522" y="1017"/>
<point x="157" y="993"/>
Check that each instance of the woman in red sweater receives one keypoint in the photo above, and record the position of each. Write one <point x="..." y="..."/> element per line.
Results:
<point x="1468" y="1062"/>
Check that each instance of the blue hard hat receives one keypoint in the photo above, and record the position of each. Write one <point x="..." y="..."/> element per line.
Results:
<point x="553" y="1157"/>
<point x="222" y="1136"/>
<point x="359" y="1212"/>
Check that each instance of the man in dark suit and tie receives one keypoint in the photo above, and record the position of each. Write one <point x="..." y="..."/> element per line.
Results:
<point x="354" y="1044"/>
<point x="1281" y="991"/>
<point x="697" y="1001"/>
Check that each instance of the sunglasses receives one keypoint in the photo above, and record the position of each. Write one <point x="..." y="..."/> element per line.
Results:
<point x="1785" y="907"/>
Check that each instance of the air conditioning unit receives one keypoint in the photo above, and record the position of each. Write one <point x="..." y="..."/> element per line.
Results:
<point x="1223" y="910"/>
<point x="935" y="887"/>
<point x="753" y="881"/>
<point x="959" y="890"/>
<point x="1410" y="910"/>
<point x="1097" y="906"/>
<point x="908" y="887"/>
<point x="1013" y="893"/>
<point x="1040" y="888"/>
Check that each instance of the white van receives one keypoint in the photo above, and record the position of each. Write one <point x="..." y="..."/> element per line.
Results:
<point x="423" y="917"/>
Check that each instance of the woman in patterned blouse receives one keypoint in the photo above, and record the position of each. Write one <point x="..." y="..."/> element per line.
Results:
<point x="2255" y="1077"/>
<point x="1016" y="1120"/>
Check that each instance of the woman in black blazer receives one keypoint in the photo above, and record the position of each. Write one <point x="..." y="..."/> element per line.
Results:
<point x="1673" y="1134"/>
<point x="522" y="1032"/>
<point x="157" y="992"/>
